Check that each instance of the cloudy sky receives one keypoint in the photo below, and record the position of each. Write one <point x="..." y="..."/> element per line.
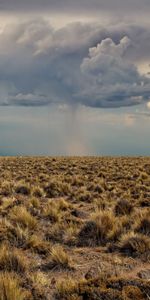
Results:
<point x="74" y="77"/>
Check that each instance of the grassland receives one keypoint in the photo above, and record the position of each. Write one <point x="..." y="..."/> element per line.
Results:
<point x="74" y="228"/>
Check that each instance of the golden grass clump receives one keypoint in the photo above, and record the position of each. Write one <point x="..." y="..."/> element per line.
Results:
<point x="52" y="189"/>
<point x="4" y="228"/>
<point x="55" y="232"/>
<point x="59" y="259"/>
<point x="56" y="189"/>
<point x="122" y="225"/>
<point x="62" y="204"/>
<point x="21" y="216"/>
<point x="10" y="288"/>
<point x="18" y="235"/>
<point x="123" y="207"/>
<point x="37" y="191"/>
<point x="70" y="234"/>
<point x="143" y="224"/>
<point x="34" y="202"/>
<point x="96" y="231"/>
<point x="143" y="176"/>
<point x="84" y="196"/>
<point x="55" y="208"/>
<point x="67" y="289"/>
<point x="6" y="188"/>
<point x="39" y="279"/>
<point x="6" y="203"/>
<point x="38" y="245"/>
<point x="51" y="211"/>
<point x="12" y="260"/>
<point x="135" y="245"/>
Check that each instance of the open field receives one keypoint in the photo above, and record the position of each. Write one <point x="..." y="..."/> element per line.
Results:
<point x="74" y="228"/>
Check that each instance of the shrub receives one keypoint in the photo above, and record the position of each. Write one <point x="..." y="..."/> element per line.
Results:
<point x="23" y="188"/>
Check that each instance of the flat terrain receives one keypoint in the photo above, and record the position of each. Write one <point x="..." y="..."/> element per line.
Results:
<point x="74" y="228"/>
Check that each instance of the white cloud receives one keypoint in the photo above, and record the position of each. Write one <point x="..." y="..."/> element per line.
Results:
<point x="111" y="80"/>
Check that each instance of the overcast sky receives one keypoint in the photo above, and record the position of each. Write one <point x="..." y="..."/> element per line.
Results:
<point x="74" y="77"/>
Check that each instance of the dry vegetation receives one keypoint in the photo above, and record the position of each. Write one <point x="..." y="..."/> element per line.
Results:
<point x="74" y="228"/>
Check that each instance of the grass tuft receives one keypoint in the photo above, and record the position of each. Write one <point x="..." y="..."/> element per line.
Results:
<point x="95" y="232"/>
<point x="59" y="259"/>
<point x="10" y="288"/>
<point x="123" y="207"/>
<point x="12" y="260"/>
<point x="21" y="216"/>
<point x="134" y="245"/>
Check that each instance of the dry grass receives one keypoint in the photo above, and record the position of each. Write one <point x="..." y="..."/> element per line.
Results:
<point x="96" y="231"/>
<point x="51" y="211"/>
<point x="12" y="260"/>
<point x="74" y="228"/>
<point x="143" y="224"/>
<point x="38" y="245"/>
<point x="37" y="191"/>
<point x="21" y="216"/>
<point x="59" y="259"/>
<point x="134" y="245"/>
<point x="123" y="207"/>
<point x="10" y="288"/>
<point x="66" y="289"/>
<point x="6" y="188"/>
<point x="34" y="202"/>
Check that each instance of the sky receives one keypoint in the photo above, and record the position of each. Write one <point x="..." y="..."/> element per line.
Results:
<point x="74" y="77"/>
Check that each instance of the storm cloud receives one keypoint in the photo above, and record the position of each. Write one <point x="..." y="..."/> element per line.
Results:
<point x="76" y="6"/>
<point x="80" y="63"/>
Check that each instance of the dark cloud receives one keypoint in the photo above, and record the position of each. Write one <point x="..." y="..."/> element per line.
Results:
<point x="84" y="6"/>
<point x="77" y="64"/>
